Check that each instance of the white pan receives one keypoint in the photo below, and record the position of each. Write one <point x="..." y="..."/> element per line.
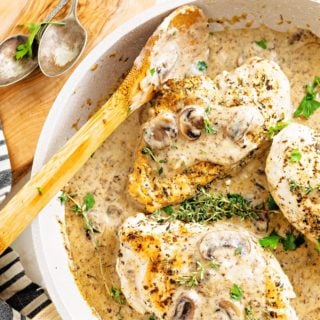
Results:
<point x="84" y="83"/>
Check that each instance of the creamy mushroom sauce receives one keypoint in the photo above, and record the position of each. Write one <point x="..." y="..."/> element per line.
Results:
<point x="106" y="173"/>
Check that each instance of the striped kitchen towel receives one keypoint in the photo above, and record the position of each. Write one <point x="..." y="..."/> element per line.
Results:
<point x="20" y="298"/>
<point x="5" y="168"/>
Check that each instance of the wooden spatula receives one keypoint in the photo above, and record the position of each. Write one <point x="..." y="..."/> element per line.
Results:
<point x="174" y="50"/>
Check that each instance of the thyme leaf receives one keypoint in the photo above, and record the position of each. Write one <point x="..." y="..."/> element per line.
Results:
<point x="117" y="295"/>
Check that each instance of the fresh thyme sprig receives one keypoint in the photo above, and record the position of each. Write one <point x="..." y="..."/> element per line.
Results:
<point x="195" y="278"/>
<point x="205" y="207"/>
<point x="147" y="151"/>
<point x="81" y="209"/>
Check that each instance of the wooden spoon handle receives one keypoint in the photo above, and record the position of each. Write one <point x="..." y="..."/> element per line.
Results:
<point x="32" y="198"/>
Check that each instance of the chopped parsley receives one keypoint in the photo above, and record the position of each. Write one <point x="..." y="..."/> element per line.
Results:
<point x="295" y="156"/>
<point x="262" y="43"/>
<point x="271" y="241"/>
<point x="272" y="131"/>
<point x="152" y="71"/>
<point x="309" y="104"/>
<point x="117" y="295"/>
<point x="82" y="209"/>
<point x="290" y="242"/>
<point x="202" y="66"/>
<point x="205" y="207"/>
<point x="238" y="251"/>
<point x="208" y="127"/>
<point x="236" y="292"/>
<point x="40" y="190"/>
<point x="195" y="278"/>
<point x="271" y="204"/>
<point x="26" y="49"/>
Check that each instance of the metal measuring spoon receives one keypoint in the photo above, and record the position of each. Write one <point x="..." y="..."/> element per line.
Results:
<point x="12" y="70"/>
<point x="61" y="45"/>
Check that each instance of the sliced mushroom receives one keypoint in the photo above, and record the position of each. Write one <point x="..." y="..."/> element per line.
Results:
<point x="191" y="122"/>
<point x="218" y="244"/>
<point x="185" y="308"/>
<point x="159" y="132"/>
<point x="228" y="311"/>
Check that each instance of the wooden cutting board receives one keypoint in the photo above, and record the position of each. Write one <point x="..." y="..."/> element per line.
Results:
<point x="25" y="105"/>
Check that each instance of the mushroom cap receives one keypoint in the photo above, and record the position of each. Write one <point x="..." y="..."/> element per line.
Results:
<point x="159" y="132"/>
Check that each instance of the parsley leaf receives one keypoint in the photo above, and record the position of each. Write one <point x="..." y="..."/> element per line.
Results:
<point x="272" y="131"/>
<point x="202" y="66"/>
<point x="40" y="190"/>
<point x="26" y="49"/>
<point x="117" y="295"/>
<point x="309" y="104"/>
<point x="152" y="71"/>
<point x="262" y="43"/>
<point x="289" y="242"/>
<point x="236" y="292"/>
<point x="89" y="201"/>
<point x="271" y="203"/>
<point x="271" y="241"/>
<point x="214" y="264"/>
<point x="295" y="156"/>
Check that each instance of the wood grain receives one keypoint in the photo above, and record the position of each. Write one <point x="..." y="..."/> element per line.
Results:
<point x="25" y="105"/>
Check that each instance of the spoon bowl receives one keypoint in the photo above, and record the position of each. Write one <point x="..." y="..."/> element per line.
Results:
<point x="12" y="70"/>
<point x="61" y="45"/>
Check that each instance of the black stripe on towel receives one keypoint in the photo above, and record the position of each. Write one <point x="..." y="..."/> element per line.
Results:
<point x="8" y="266"/>
<point x="12" y="281"/>
<point x="39" y="309"/>
<point x="5" y="178"/>
<point x="2" y="142"/>
<point x="22" y="298"/>
<point x="8" y="250"/>
<point x="4" y="157"/>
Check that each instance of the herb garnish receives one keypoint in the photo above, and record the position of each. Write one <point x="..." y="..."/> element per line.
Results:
<point x="271" y="204"/>
<point x="289" y="242"/>
<point x="295" y="156"/>
<point x="309" y="104"/>
<point x="117" y="295"/>
<point x="152" y="71"/>
<point x="205" y="207"/>
<point x="208" y="127"/>
<point x="195" y="278"/>
<point x="271" y="241"/>
<point x="202" y="66"/>
<point x="272" y="131"/>
<point x="249" y="315"/>
<point x="262" y="43"/>
<point x="40" y="190"/>
<point x="238" y="251"/>
<point x="81" y="209"/>
<point x="294" y="186"/>
<point x="149" y="152"/>
<point x="236" y="292"/>
<point x="26" y="49"/>
<point x="318" y="245"/>
<point x="153" y="317"/>
<point x="214" y="264"/>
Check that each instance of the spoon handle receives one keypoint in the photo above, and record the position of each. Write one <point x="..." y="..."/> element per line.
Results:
<point x="56" y="10"/>
<point x="51" y="15"/>
<point x="73" y="8"/>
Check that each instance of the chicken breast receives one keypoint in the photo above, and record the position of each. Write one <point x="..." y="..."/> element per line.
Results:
<point x="198" y="129"/>
<point x="293" y="173"/>
<point x="193" y="272"/>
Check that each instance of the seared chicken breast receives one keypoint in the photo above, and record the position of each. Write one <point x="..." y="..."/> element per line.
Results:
<point x="197" y="129"/>
<point x="293" y="173"/>
<point x="195" y="271"/>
